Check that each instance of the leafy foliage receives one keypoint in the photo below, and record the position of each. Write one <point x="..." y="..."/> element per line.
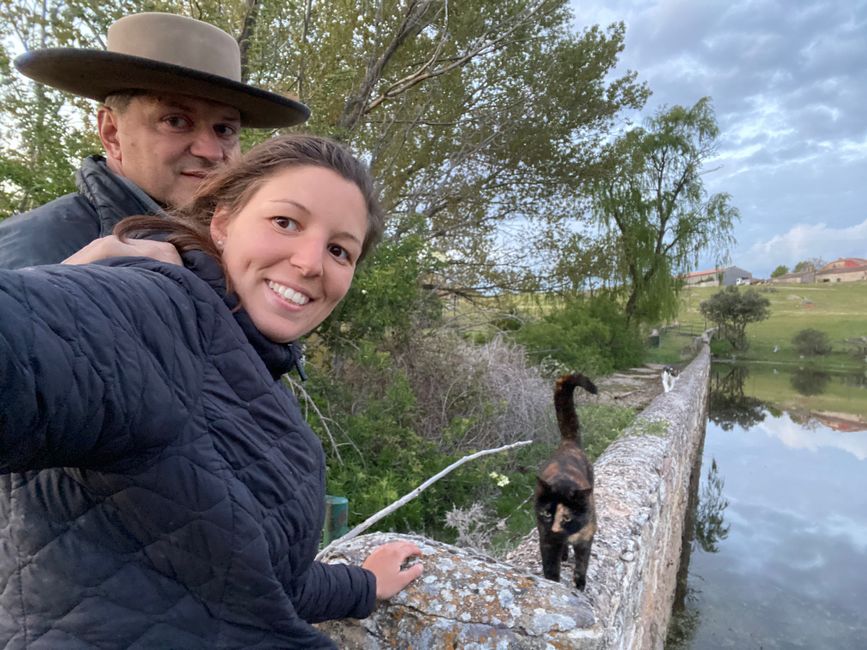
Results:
<point x="589" y="335"/>
<point x="781" y="270"/>
<point x="813" y="264"/>
<point x="655" y="210"/>
<point x="812" y="342"/>
<point x="732" y="310"/>
<point x="476" y="117"/>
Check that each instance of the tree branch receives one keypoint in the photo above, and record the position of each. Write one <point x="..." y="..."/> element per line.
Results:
<point x="370" y="521"/>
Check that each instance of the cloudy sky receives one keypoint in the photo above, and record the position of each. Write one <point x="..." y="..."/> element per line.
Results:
<point x="788" y="79"/>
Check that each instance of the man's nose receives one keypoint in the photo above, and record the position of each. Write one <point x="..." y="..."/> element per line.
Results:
<point x="208" y="145"/>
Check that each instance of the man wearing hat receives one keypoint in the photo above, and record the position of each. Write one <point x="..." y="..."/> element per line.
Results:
<point x="172" y="107"/>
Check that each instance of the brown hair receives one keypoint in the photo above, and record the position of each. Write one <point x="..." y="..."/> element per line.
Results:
<point x="231" y="187"/>
<point x="119" y="102"/>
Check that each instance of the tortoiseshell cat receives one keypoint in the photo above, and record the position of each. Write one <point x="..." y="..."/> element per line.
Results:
<point x="565" y="513"/>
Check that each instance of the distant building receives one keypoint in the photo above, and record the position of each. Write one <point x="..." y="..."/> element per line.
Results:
<point x="805" y="277"/>
<point x="845" y="269"/>
<point x="718" y="277"/>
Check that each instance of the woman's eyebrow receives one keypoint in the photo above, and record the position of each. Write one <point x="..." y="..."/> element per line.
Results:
<point x="303" y="208"/>
<point x="300" y="206"/>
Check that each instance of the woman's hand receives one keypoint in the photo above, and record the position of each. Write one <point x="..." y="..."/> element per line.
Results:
<point x="385" y="562"/>
<point x="111" y="246"/>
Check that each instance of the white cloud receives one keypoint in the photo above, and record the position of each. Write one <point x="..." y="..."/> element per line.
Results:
<point x="789" y="84"/>
<point x="795" y="436"/>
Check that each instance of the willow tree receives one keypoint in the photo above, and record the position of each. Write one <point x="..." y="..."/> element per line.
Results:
<point x="479" y="118"/>
<point x="654" y="210"/>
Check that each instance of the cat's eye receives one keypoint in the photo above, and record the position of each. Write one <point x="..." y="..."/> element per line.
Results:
<point x="545" y="514"/>
<point x="566" y="518"/>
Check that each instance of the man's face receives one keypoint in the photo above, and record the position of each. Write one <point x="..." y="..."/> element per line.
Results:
<point x="167" y="143"/>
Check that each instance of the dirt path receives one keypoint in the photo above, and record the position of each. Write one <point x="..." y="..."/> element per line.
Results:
<point x="635" y="387"/>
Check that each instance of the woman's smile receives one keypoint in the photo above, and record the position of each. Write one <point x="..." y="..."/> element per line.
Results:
<point x="290" y="251"/>
<point x="288" y="293"/>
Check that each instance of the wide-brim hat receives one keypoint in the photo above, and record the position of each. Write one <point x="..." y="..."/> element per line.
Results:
<point x="163" y="53"/>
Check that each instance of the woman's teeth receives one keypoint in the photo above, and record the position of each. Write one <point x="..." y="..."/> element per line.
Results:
<point x="289" y="294"/>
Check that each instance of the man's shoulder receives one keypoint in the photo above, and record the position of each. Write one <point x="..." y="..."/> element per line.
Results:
<point x="69" y="207"/>
<point x="48" y="234"/>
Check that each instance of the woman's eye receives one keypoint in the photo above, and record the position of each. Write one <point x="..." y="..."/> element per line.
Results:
<point x="285" y="223"/>
<point x="338" y="251"/>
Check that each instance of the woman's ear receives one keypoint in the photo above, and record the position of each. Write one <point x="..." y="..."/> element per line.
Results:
<point x="219" y="227"/>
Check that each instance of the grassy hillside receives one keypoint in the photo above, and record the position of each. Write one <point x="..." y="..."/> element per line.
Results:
<point x="839" y="310"/>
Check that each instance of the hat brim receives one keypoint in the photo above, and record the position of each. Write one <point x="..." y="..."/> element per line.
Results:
<point x="97" y="73"/>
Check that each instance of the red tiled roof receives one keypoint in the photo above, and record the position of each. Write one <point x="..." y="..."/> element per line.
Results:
<point x="843" y="269"/>
<point x="696" y="274"/>
<point x="844" y="263"/>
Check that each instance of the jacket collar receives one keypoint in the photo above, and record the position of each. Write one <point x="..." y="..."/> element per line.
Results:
<point x="114" y="197"/>
<point x="279" y="358"/>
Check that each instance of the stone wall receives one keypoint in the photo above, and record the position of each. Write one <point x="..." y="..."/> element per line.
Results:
<point x="468" y="600"/>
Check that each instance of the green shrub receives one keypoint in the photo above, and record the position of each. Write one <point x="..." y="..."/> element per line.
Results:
<point x="589" y="335"/>
<point x="811" y="342"/>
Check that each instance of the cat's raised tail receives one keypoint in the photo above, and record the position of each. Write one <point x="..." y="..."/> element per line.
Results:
<point x="564" y="404"/>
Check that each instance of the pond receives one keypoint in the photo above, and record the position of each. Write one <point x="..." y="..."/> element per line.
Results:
<point x="779" y="552"/>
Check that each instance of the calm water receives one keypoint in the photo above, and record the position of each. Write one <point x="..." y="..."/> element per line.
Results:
<point x="779" y="558"/>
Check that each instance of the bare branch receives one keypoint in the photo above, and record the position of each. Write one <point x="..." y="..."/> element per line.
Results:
<point x="308" y="400"/>
<point x="406" y="498"/>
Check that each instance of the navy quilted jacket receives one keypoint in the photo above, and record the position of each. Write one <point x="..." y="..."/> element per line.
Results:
<point x="158" y="485"/>
<point x="54" y="231"/>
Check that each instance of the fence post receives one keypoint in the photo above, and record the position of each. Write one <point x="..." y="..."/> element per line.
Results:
<point x="336" y="518"/>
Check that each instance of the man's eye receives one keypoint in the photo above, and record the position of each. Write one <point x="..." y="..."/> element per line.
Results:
<point x="178" y="122"/>
<point x="225" y="130"/>
<point x="285" y="223"/>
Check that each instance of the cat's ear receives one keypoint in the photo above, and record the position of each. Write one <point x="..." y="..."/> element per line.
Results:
<point x="541" y="486"/>
<point x="579" y="494"/>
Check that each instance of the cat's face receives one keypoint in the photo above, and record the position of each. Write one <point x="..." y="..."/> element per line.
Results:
<point x="563" y="514"/>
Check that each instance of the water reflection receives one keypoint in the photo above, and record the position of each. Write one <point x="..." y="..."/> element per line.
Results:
<point x="811" y="433"/>
<point x="780" y="525"/>
<point x="705" y="527"/>
<point x="728" y="405"/>
<point x="710" y="526"/>
<point x="810" y="381"/>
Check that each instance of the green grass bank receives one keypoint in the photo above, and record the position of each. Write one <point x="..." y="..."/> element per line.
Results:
<point x="839" y="310"/>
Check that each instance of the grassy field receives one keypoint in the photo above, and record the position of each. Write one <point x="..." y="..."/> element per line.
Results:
<point x="839" y="310"/>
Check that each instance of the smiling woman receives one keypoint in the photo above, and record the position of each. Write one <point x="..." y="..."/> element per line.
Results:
<point x="156" y="468"/>
<point x="291" y="250"/>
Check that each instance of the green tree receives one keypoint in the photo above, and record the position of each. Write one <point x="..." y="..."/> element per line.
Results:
<point x="812" y="342"/>
<point x="731" y="310"/>
<point x="477" y="117"/>
<point x="781" y="270"/>
<point x="586" y="334"/>
<point x="812" y="264"/>
<point x="654" y="209"/>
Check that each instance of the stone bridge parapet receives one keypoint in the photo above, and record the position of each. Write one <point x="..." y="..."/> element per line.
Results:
<point x="468" y="600"/>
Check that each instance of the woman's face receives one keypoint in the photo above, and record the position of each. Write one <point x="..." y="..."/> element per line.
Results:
<point x="290" y="252"/>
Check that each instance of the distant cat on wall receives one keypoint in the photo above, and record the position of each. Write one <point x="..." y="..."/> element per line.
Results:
<point x="669" y="376"/>
<point x="565" y="512"/>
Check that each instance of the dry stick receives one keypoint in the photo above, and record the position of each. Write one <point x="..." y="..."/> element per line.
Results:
<point x="296" y="386"/>
<point x="406" y="498"/>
